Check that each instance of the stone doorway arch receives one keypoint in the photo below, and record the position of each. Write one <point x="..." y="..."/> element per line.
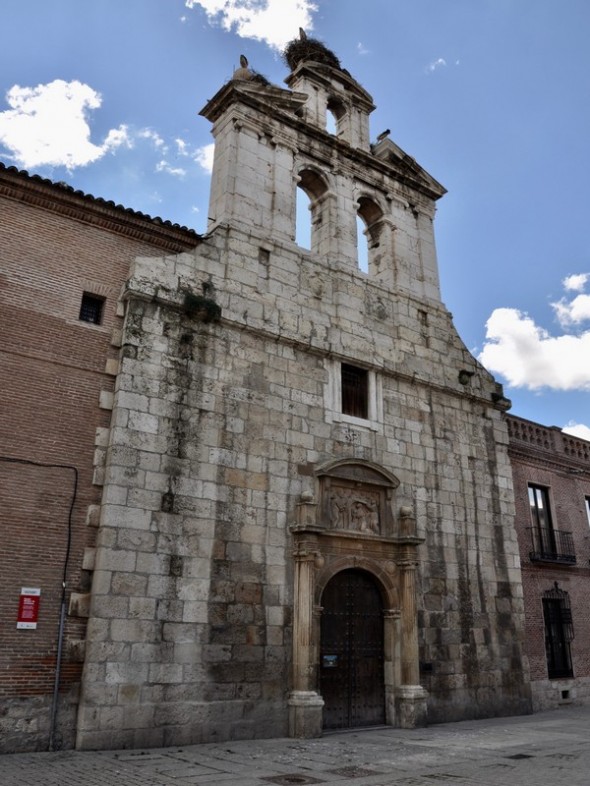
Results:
<point x="351" y="523"/>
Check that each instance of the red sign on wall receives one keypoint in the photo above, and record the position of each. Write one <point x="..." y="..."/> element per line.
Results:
<point x="28" y="608"/>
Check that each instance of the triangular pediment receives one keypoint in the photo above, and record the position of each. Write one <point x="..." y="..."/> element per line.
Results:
<point x="388" y="151"/>
<point x="241" y="89"/>
<point x="328" y="76"/>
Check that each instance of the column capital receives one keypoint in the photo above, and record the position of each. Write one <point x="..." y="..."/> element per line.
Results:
<point x="407" y="564"/>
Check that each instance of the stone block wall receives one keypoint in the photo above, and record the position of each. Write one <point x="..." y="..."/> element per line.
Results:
<point x="217" y="428"/>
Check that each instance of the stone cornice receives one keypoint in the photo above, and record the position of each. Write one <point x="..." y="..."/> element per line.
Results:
<point x="323" y="351"/>
<point x="62" y="199"/>
<point x="556" y="462"/>
<point x="547" y="446"/>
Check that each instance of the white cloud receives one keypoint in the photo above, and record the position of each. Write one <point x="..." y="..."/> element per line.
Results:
<point x="47" y="125"/>
<point x="275" y="22"/>
<point x="116" y="138"/>
<point x="574" y="311"/>
<point x="576" y="282"/>
<point x="577" y="310"/>
<point x="528" y="357"/>
<point x="436" y="64"/>
<point x="152" y="136"/>
<point x="165" y="166"/>
<point x="362" y="49"/>
<point x="577" y="430"/>
<point x="204" y="157"/>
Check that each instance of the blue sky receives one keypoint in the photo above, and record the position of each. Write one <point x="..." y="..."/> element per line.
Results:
<point x="492" y="97"/>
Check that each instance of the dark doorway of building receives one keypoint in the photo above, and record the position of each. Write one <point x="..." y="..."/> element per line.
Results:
<point x="351" y="652"/>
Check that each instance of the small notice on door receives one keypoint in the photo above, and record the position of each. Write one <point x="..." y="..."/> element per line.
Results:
<point x="28" y="608"/>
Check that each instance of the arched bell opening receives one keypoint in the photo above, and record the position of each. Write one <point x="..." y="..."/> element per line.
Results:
<point x="312" y="219"/>
<point x="336" y="116"/>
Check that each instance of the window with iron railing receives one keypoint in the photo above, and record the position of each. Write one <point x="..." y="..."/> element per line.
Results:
<point x="547" y="543"/>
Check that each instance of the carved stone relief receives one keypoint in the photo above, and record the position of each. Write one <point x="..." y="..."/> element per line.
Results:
<point x="356" y="497"/>
<point x="355" y="509"/>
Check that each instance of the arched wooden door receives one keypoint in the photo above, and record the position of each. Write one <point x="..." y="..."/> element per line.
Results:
<point x="351" y="652"/>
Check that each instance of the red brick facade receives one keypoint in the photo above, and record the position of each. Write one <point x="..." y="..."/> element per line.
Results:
<point x="557" y="467"/>
<point x="56" y="245"/>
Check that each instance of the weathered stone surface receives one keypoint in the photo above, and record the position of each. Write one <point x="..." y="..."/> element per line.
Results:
<point x="222" y="431"/>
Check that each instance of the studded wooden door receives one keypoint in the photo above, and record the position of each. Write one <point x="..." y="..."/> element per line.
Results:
<point x="351" y="652"/>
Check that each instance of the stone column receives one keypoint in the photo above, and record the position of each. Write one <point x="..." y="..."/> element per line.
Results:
<point x="411" y="696"/>
<point x="410" y="669"/>
<point x="305" y="704"/>
<point x="391" y="655"/>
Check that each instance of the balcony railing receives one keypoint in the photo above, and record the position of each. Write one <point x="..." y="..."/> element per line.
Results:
<point x="552" y="545"/>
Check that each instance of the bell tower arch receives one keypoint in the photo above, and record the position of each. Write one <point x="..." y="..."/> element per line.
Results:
<point x="270" y="141"/>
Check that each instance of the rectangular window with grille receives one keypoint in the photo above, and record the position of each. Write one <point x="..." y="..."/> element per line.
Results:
<point x="91" y="308"/>
<point x="559" y="631"/>
<point x="355" y="391"/>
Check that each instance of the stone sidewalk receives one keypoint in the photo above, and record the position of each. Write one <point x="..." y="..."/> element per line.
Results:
<point x="547" y="749"/>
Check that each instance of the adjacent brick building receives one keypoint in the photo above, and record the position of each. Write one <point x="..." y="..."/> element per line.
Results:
<point x="551" y="473"/>
<point x="65" y="257"/>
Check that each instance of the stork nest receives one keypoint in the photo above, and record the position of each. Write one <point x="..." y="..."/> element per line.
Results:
<point x="299" y="51"/>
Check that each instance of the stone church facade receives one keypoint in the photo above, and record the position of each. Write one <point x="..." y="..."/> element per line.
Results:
<point x="303" y="458"/>
<point x="307" y="515"/>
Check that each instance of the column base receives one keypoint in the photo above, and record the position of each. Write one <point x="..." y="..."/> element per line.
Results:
<point x="410" y="704"/>
<point x="305" y="714"/>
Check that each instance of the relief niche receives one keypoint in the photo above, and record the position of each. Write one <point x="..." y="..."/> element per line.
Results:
<point x="356" y="498"/>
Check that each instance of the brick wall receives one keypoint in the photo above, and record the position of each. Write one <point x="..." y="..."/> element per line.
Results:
<point x="545" y="457"/>
<point x="53" y="372"/>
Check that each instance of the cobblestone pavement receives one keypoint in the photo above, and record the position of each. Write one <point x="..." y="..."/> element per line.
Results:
<point x="549" y="748"/>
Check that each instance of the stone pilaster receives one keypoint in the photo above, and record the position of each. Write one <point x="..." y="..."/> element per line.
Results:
<point x="411" y="696"/>
<point x="305" y="704"/>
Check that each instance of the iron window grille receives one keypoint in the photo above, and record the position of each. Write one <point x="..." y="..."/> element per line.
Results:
<point x="559" y="632"/>
<point x="355" y="391"/>
<point x="552" y="545"/>
<point x="91" y="308"/>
